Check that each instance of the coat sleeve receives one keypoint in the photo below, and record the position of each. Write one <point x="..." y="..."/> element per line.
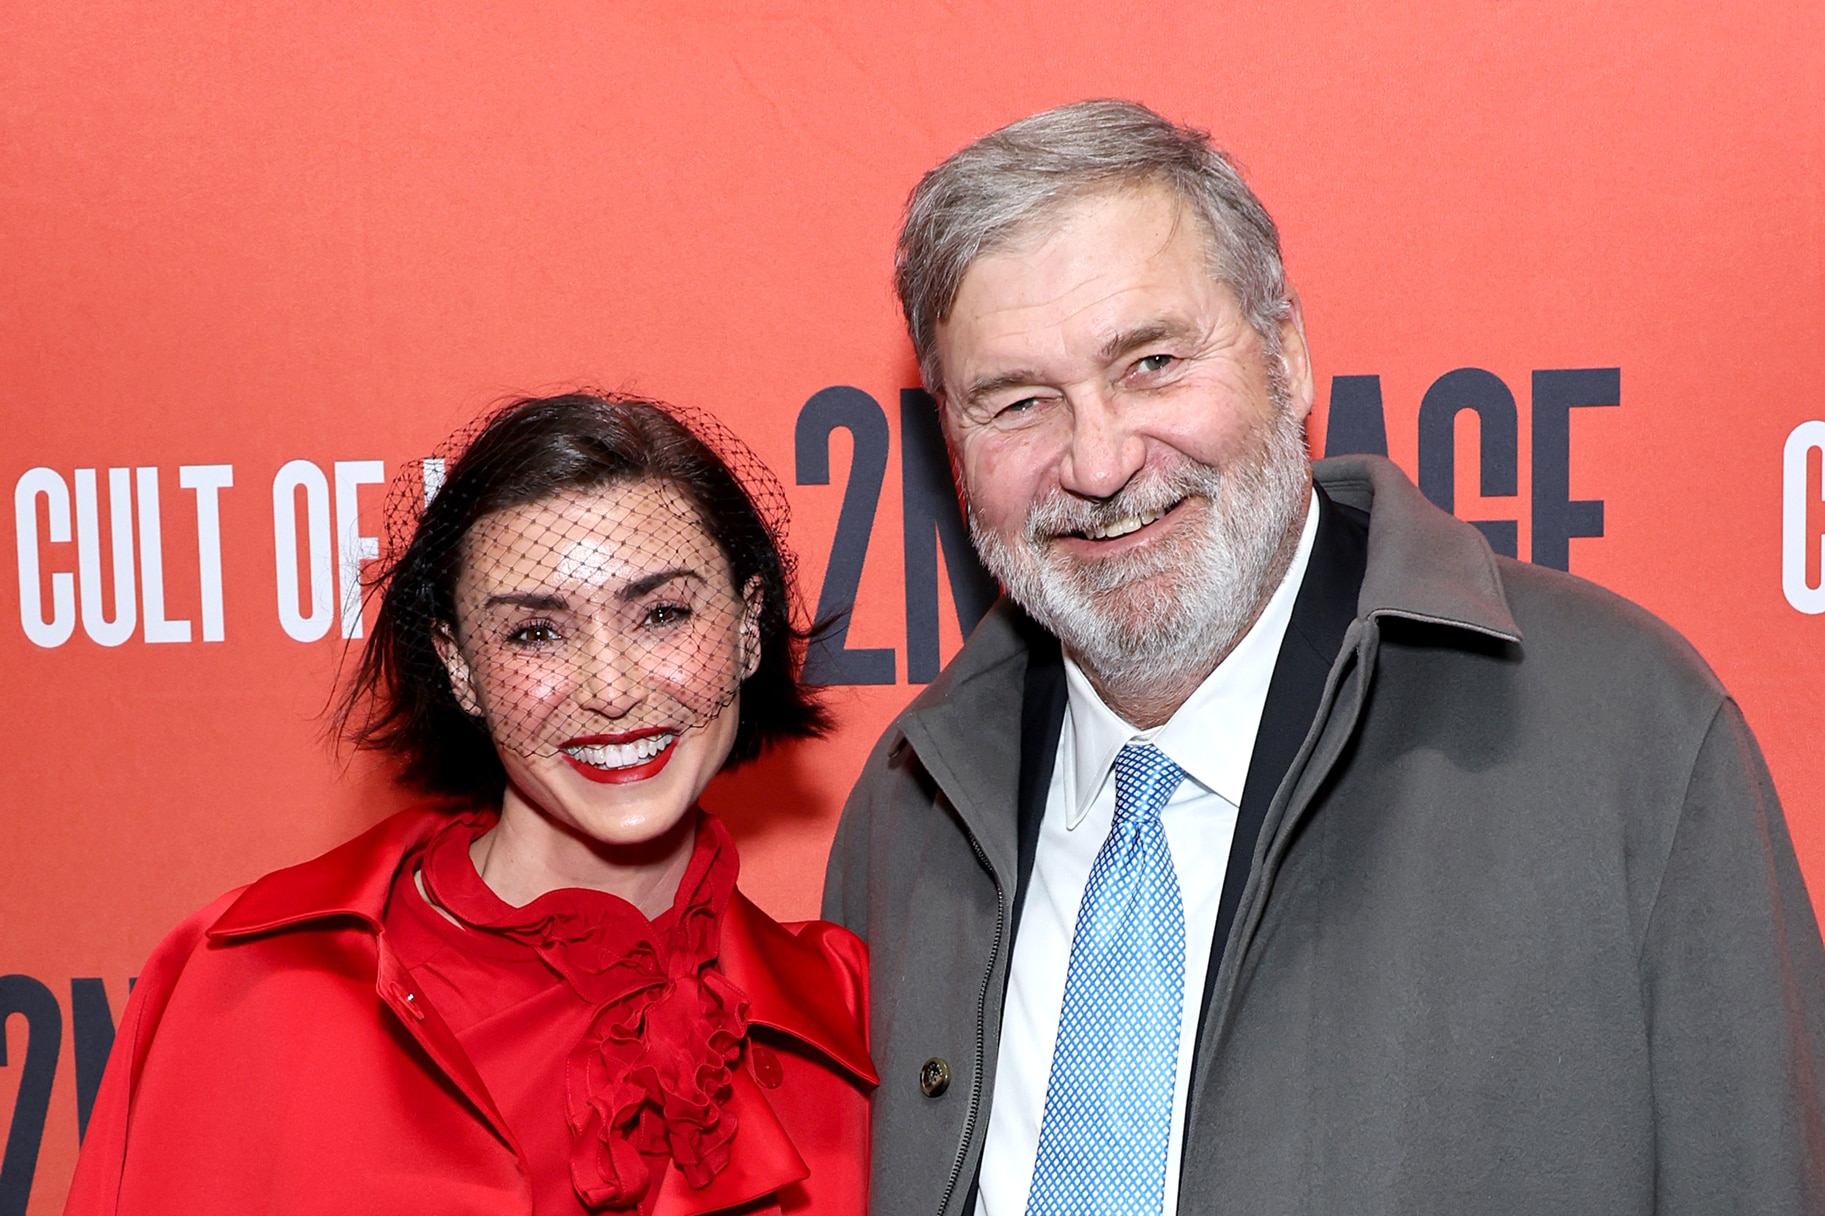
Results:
<point x="95" y="1190"/>
<point x="1733" y="977"/>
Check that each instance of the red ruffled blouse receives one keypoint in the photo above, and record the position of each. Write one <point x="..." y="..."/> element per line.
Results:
<point x="605" y="1039"/>
<point x="324" y="1040"/>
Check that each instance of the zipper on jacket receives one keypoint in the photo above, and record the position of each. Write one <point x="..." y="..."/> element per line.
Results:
<point x="982" y="998"/>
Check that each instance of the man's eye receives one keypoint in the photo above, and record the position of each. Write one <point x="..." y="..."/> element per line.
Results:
<point x="1154" y="363"/>
<point x="1014" y="409"/>
<point x="533" y="633"/>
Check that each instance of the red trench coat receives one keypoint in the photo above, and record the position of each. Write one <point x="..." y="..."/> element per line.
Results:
<point x="275" y="1059"/>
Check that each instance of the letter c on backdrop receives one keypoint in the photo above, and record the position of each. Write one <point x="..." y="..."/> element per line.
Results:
<point x="62" y="623"/>
<point x="1798" y="533"/>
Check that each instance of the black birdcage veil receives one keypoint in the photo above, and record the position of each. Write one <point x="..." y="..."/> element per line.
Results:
<point x="584" y="577"/>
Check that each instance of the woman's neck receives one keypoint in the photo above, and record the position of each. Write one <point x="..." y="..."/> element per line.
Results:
<point x="526" y="854"/>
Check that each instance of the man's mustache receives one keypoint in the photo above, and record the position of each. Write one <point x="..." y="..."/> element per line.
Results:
<point x="1062" y="513"/>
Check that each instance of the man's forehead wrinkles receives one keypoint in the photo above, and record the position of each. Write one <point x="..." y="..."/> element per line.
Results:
<point x="1024" y="321"/>
<point x="1109" y="336"/>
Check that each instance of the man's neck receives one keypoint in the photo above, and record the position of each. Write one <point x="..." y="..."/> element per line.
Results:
<point x="1145" y="700"/>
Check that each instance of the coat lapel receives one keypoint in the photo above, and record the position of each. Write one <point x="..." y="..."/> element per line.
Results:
<point x="352" y="879"/>
<point x="793" y="986"/>
<point x="965" y="729"/>
<point x="1423" y="564"/>
<point x="352" y="882"/>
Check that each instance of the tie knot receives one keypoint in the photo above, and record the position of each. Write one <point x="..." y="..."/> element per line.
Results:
<point x="1145" y="778"/>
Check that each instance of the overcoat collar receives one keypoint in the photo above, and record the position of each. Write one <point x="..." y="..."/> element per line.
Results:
<point x="790" y="984"/>
<point x="1423" y="565"/>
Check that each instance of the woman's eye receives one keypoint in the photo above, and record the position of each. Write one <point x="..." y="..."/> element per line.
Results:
<point x="667" y="614"/>
<point x="533" y="633"/>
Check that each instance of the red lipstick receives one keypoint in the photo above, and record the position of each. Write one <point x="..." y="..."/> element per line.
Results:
<point x="643" y="771"/>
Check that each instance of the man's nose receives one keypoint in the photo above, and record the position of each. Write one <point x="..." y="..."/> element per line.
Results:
<point x="1104" y="452"/>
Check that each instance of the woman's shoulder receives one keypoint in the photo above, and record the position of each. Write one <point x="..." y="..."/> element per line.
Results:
<point x="350" y="880"/>
<point x="347" y="880"/>
<point x="214" y="956"/>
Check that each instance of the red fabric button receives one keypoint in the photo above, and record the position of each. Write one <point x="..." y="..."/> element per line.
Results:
<point x="765" y="1066"/>
<point x="405" y="1002"/>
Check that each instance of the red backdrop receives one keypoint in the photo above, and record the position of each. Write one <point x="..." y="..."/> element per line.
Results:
<point x="330" y="233"/>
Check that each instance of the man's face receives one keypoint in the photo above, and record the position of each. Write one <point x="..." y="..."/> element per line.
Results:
<point x="1132" y="455"/>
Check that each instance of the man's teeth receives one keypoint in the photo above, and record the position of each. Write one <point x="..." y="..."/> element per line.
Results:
<point x="1123" y="526"/>
<point x="619" y="755"/>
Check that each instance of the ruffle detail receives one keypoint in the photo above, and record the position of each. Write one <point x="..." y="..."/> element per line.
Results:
<point x="650" y="1080"/>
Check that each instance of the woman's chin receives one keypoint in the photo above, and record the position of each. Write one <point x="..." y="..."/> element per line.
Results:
<point x="637" y="833"/>
<point x="614" y="817"/>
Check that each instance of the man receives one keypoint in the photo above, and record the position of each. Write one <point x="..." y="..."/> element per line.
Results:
<point x="1278" y="848"/>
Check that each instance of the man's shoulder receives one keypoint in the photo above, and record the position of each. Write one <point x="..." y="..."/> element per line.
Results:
<point x="979" y="690"/>
<point x="1568" y="633"/>
<point x="1587" y="634"/>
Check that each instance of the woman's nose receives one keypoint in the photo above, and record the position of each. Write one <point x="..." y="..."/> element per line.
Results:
<point x="608" y="679"/>
<point x="1104" y="452"/>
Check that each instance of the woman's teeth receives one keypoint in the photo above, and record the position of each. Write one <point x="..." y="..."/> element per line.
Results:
<point x="619" y="755"/>
<point x="1123" y="526"/>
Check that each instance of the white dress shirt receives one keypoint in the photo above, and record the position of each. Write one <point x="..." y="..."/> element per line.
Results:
<point x="1211" y="737"/>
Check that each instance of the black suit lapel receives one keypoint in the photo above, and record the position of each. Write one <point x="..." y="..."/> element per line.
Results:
<point x="1042" y="716"/>
<point x="1321" y="616"/>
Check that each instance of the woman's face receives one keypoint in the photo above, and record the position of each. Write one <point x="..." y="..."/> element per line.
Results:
<point x="600" y="637"/>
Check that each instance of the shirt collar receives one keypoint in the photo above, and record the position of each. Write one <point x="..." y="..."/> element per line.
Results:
<point x="1212" y="736"/>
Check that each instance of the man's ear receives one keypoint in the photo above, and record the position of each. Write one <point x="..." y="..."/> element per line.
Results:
<point x="1296" y="356"/>
<point x="754" y="598"/>
<point x="462" y="681"/>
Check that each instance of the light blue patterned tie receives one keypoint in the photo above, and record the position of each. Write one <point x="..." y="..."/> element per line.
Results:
<point x="1108" y="1117"/>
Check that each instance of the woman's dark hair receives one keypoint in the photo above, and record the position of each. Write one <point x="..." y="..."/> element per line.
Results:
<point x="400" y="701"/>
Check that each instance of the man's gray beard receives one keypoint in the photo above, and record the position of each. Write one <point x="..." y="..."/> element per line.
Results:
<point x="1169" y="614"/>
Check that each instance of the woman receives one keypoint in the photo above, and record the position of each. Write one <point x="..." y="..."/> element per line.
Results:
<point x="543" y="994"/>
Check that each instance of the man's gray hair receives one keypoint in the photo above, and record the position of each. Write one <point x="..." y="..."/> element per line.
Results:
<point x="992" y="191"/>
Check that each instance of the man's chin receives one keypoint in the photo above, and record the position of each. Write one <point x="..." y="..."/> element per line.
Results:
<point x="1142" y="619"/>
<point x="1137" y="576"/>
<point x="1139" y="589"/>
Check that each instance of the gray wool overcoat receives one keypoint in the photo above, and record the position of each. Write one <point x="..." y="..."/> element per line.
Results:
<point x="1523" y="932"/>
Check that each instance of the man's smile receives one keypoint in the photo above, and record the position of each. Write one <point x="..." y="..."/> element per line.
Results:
<point x="1120" y="533"/>
<point x="1122" y="526"/>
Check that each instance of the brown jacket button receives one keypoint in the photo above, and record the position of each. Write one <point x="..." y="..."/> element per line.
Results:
<point x="934" y="1076"/>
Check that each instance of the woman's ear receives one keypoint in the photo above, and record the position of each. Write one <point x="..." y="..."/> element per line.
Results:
<point x="462" y="681"/>
<point x="754" y="597"/>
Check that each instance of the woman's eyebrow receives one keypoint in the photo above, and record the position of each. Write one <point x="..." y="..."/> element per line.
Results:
<point x="537" y="601"/>
<point x="654" y="581"/>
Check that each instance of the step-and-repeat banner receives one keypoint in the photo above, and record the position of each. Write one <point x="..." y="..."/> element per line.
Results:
<point x="1565" y="263"/>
